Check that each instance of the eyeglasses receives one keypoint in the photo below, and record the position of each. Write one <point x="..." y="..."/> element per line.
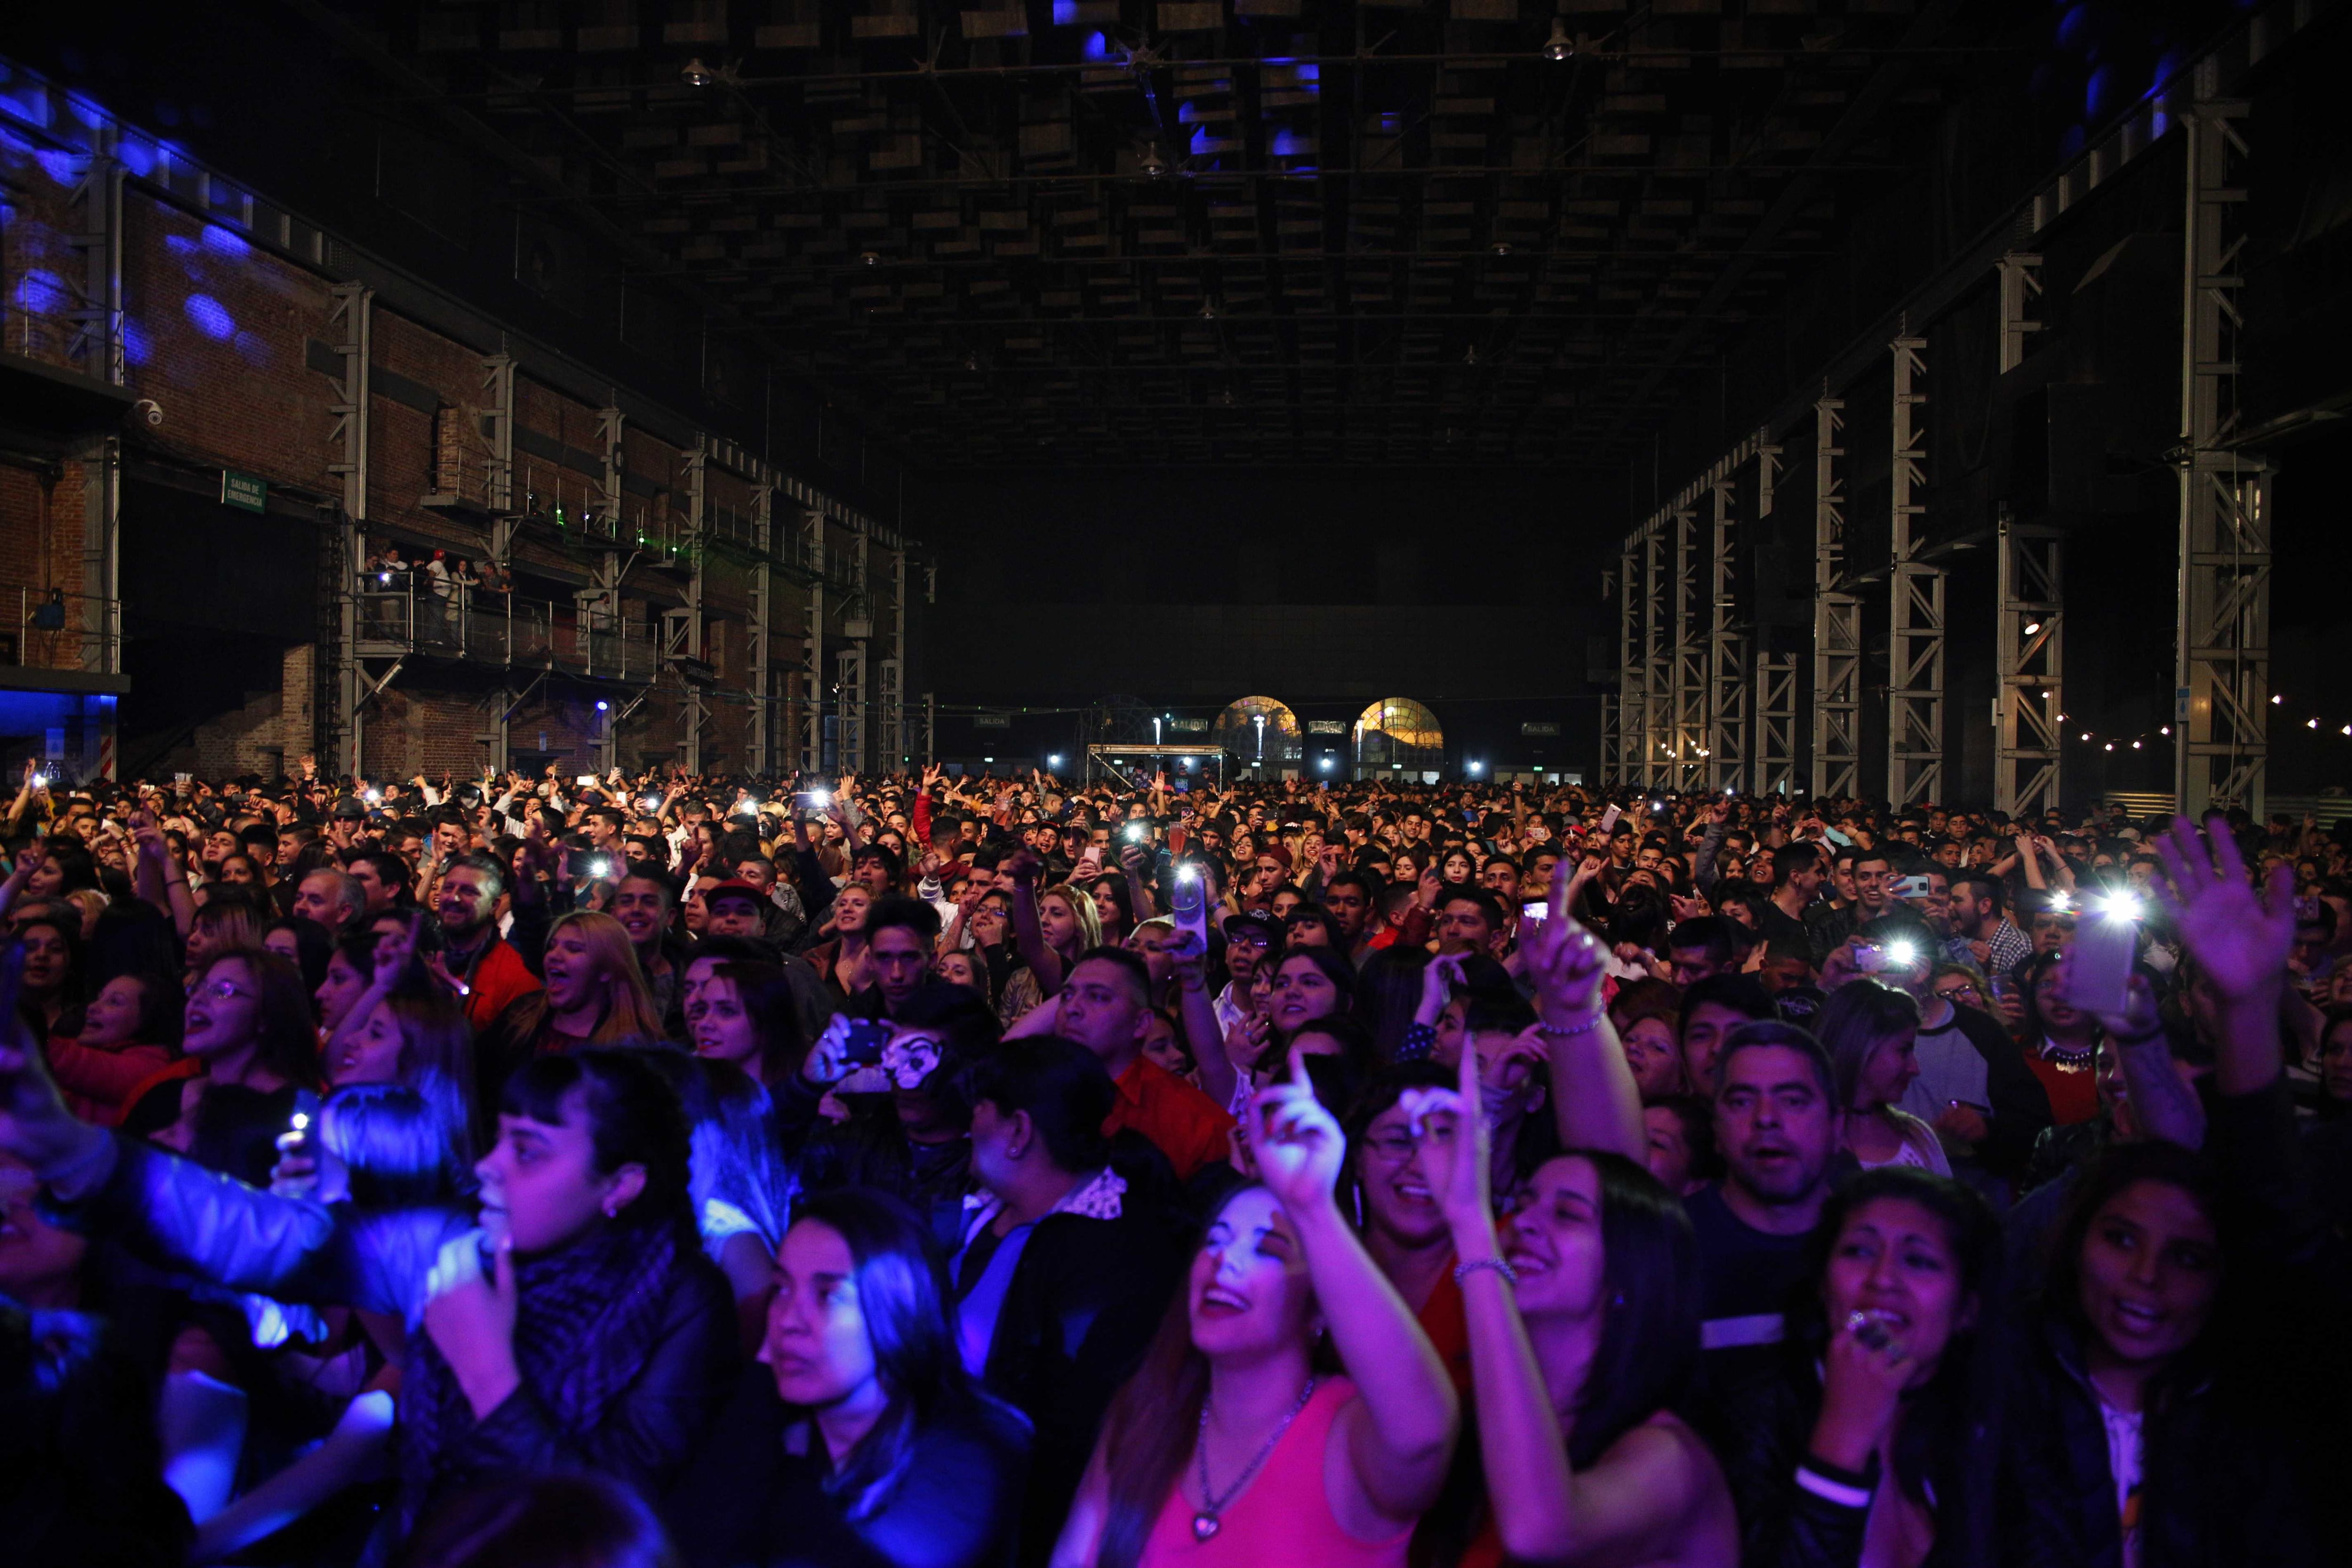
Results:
<point x="1396" y="1145"/>
<point x="225" y="989"/>
<point x="1949" y="992"/>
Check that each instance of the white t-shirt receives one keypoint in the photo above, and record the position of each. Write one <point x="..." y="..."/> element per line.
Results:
<point x="2123" y="1463"/>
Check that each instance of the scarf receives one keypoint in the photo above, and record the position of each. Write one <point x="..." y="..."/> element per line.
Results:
<point x="584" y="1331"/>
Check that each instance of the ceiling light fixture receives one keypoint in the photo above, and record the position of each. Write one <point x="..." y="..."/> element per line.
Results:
<point x="1154" y="165"/>
<point x="2031" y="628"/>
<point x="693" y="73"/>
<point x="1208" y="310"/>
<point x="869" y="257"/>
<point x="1500" y="247"/>
<point x="1559" y="46"/>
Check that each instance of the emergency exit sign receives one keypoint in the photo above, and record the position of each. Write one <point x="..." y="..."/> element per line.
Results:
<point x="247" y="492"/>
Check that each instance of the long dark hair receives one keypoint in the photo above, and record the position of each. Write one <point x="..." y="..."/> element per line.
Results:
<point x="768" y="1002"/>
<point x="1388" y="990"/>
<point x="2120" y="1166"/>
<point x="1155" y="1419"/>
<point x="1859" y="1016"/>
<point x="1949" y="1425"/>
<point x="902" y="1291"/>
<point x="285" y="1035"/>
<point x="1650" y="1335"/>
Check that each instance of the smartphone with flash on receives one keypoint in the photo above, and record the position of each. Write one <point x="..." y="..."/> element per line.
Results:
<point x="2099" y="961"/>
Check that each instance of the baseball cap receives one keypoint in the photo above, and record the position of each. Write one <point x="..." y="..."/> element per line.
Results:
<point x="1265" y="925"/>
<point x="735" y="887"/>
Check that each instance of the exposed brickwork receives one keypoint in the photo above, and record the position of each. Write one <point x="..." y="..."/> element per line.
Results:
<point x="219" y="337"/>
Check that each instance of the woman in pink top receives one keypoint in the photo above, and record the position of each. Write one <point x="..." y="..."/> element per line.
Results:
<point x="1237" y="1443"/>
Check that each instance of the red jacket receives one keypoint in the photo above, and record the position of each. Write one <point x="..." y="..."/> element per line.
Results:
<point x="499" y="976"/>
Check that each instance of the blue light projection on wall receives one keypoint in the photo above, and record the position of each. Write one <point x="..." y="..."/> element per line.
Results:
<point x="41" y="292"/>
<point x="211" y="317"/>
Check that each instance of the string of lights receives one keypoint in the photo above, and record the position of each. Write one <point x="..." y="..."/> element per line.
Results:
<point x="2143" y="739"/>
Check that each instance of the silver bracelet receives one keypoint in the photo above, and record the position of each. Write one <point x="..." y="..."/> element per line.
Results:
<point x="1463" y="1270"/>
<point x="1569" y="1031"/>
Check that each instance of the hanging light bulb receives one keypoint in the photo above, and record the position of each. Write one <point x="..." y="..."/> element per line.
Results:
<point x="2135" y="745"/>
<point x="1154" y="165"/>
<point x="1559" y="46"/>
<point x="2276" y="698"/>
<point x="2111" y="745"/>
<point x="2311" y="723"/>
<point x="2031" y="628"/>
<point x="2086" y="734"/>
<point x="693" y="73"/>
<point x="2168" y="728"/>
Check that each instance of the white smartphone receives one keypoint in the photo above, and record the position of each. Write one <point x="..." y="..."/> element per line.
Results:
<point x="2099" y="963"/>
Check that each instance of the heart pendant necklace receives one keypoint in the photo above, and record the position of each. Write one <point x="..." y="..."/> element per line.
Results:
<point x="1205" y="1523"/>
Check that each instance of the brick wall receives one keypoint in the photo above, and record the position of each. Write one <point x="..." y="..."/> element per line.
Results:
<point x="219" y="334"/>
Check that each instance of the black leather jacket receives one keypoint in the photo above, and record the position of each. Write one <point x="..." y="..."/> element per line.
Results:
<point x="1784" y="1524"/>
<point x="2216" y="1486"/>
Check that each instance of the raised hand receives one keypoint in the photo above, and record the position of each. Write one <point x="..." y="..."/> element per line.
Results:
<point x="472" y="1319"/>
<point x="1566" y="961"/>
<point x="1298" y="1147"/>
<point x="1864" y="1370"/>
<point x="1464" y="1177"/>
<point x="2241" y="938"/>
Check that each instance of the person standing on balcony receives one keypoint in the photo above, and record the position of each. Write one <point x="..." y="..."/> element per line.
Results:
<point x="436" y="600"/>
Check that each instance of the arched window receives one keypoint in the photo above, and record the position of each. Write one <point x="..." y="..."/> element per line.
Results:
<point x="1398" y="735"/>
<point x="1258" y="731"/>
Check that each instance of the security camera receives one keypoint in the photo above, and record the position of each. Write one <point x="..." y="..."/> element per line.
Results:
<point x="151" y="410"/>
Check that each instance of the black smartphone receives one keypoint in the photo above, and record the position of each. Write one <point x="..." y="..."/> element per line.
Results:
<point x="862" y="1047"/>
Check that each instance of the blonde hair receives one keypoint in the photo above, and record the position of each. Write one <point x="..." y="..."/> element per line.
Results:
<point x="630" y="1014"/>
<point x="1082" y="906"/>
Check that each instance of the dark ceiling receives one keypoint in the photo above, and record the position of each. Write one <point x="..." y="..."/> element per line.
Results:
<point x="1223" y="231"/>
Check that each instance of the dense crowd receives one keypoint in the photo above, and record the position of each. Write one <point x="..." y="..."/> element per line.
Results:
<point x="933" y="1170"/>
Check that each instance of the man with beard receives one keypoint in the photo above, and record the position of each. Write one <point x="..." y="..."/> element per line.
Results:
<point x="1778" y="1126"/>
<point x="493" y="970"/>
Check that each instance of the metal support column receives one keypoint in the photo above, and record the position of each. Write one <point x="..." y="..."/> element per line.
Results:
<point x="499" y="471"/>
<point x="2221" y="677"/>
<point x="1657" y="661"/>
<point x="891" y="752"/>
<point x="857" y="626"/>
<point x="813" y="652"/>
<point x="930" y="728"/>
<point x="1775" y="767"/>
<point x="97" y="347"/>
<point x="2020" y="285"/>
<point x="691" y="710"/>
<point x="1726" y="655"/>
<point x="354" y="312"/>
<point x="1690" y="659"/>
<point x="1837" y="620"/>
<point x="1633" y="719"/>
<point x="610" y="424"/>
<point x="2031" y="633"/>
<point x="762" y="629"/>
<point x="1914" y="649"/>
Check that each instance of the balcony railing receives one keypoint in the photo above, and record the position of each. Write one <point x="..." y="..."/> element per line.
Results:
<point x="399" y="614"/>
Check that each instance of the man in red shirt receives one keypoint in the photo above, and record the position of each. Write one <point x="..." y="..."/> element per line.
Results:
<point x="1104" y="1006"/>
<point x="492" y="971"/>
